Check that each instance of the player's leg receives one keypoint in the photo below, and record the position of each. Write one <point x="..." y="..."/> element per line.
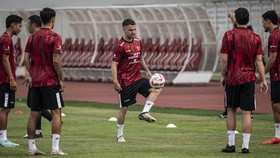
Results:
<point x="52" y="99"/>
<point x="151" y="94"/>
<point x="232" y="101"/>
<point x="275" y="104"/>
<point x="7" y="102"/>
<point x="247" y="105"/>
<point x="120" y="125"/>
<point x="38" y="131"/>
<point x="35" y="104"/>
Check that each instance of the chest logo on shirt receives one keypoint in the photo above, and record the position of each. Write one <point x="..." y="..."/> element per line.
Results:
<point x="8" y="49"/>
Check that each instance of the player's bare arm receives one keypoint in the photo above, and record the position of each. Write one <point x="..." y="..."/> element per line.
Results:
<point x="144" y="65"/>
<point x="224" y="62"/>
<point x="28" y="80"/>
<point x="270" y="61"/>
<point x="8" y="69"/>
<point x="260" y="68"/>
<point x="57" y="63"/>
<point x="117" y="85"/>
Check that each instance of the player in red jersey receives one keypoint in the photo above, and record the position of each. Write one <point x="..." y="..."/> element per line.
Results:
<point x="43" y="62"/>
<point x="126" y="63"/>
<point x="270" y="24"/>
<point x="34" y="24"/>
<point x="241" y="49"/>
<point x="8" y="84"/>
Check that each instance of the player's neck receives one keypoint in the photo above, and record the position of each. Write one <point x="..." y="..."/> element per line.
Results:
<point x="9" y="32"/>
<point x="127" y="39"/>
<point x="272" y="28"/>
<point x="47" y="26"/>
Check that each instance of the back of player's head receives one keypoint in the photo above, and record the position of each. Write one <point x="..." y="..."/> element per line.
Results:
<point x="46" y="15"/>
<point x="242" y="16"/>
<point x="271" y="16"/>
<point x="36" y="20"/>
<point x="12" y="19"/>
<point x="127" y="22"/>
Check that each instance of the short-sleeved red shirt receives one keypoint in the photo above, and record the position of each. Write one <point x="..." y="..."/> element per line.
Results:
<point x="128" y="55"/>
<point x="41" y="46"/>
<point x="7" y="47"/>
<point x="273" y="46"/>
<point x="242" y="46"/>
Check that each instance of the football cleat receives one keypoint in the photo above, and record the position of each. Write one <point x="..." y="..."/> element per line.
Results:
<point x="229" y="149"/>
<point x="145" y="116"/>
<point x="35" y="152"/>
<point x="7" y="143"/>
<point x="245" y="151"/>
<point x="272" y="141"/>
<point x="121" y="139"/>
<point x="58" y="152"/>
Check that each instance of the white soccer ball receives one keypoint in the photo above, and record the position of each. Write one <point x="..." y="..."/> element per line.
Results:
<point x="157" y="80"/>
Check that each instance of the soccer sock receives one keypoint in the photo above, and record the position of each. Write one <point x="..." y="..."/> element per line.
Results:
<point x="277" y="130"/>
<point x="3" y="135"/>
<point x="32" y="145"/>
<point x="38" y="131"/>
<point x="55" y="141"/>
<point x="246" y="139"/>
<point x="231" y="138"/>
<point x="148" y="106"/>
<point x="120" y="130"/>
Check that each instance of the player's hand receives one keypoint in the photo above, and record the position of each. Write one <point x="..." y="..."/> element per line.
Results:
<point x="13" y="85"/>
<point x="258" y="80"/>
<point x="223" y="81"/>
<point x="61" y="86"/>
<point x="264" y="87"/>
<point x="27" y="81"/>
<point x="117" y="86"/>
<point x="230" y="14"/>
<point x="149" y="74"/>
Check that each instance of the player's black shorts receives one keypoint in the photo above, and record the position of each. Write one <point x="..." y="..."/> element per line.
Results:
<point x="41" y="98"/>
<point x="275" y="91"/>
<point x="242" y="96"/>
<point x="128" y="94"/>
<point x="7" y="96"/>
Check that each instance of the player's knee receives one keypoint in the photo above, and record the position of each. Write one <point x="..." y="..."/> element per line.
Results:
<point x="5" y="110"/>
<point x="156" y="91"/>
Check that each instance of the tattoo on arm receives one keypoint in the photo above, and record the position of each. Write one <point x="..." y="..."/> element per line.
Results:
<point x="57" y="63"/>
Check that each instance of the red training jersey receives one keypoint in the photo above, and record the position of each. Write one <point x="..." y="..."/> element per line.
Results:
<point x="41" y="46"/>
<point x="7" y="47"/>
<point x="273" y="46"/>
<point x="128" y="55"/>
<point x="242" y="46"/>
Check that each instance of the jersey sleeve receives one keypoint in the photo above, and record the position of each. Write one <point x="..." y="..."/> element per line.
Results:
<point x="117" y="53"/>
<point x="273" y="44"/>
<point x="57" y="45"/>
<point x="28" y="45"/>
<point x="5" y="49"/>
<point x="225" y="46"/>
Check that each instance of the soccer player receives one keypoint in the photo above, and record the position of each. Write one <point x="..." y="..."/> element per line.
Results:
<point x="34" y="24"/>
<point x="8" y="84"/>
<point x="127" y="78"/>
<point x="233" y="20"/>
<point x="43" y="62"/>
<point x="270" y="24"/>
<point x="241" y="49"/>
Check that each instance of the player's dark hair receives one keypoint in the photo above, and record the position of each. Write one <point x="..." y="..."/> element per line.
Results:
<point x="250" y="27"/>
<point x="272" y="16"/>
<point x="12" y="19"/>
<point x="46" y="14"/>
<point x="127" y="22"/>
<point x="35" y="19"/>
<point x="242" y="16"/>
